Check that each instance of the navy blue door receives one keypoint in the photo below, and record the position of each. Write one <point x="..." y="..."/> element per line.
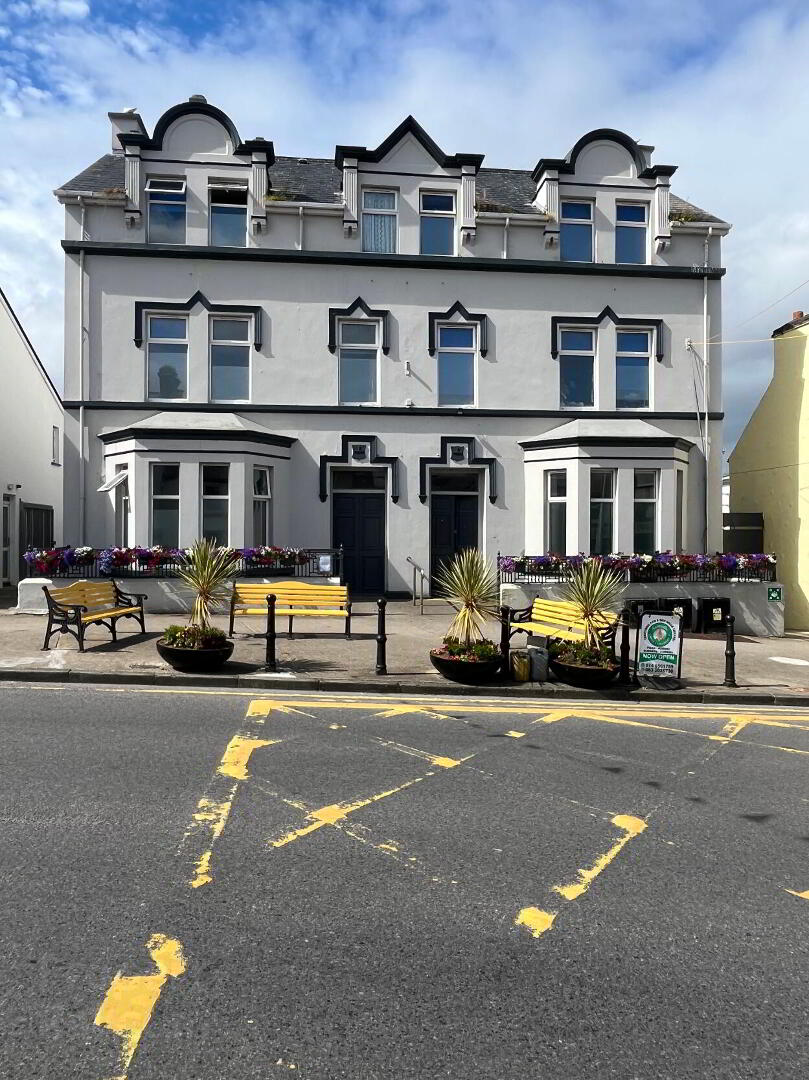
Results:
<point x="453" y="527"/>
<point x="358" y="523"/>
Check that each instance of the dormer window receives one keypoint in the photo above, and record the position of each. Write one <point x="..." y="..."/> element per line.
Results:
<point x="576" y="232"/>
<point x="228" y="214"/>
<point x="379" y="221"/>
<point x="437" y="214"/>
<point x="166" y="213"/>
<point x="630" y="233"/>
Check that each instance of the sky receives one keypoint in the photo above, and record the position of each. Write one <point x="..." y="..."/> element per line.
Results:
<point x="719" y="87"/>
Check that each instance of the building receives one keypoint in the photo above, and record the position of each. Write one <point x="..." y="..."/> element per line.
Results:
<point x="31" y="427"/>
<point x="397" y="349"/>
<point x="769" y="467"/>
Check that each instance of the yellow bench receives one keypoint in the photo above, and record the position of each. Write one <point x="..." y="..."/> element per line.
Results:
<point x="72" y="608"/>
<point x="559" y="619"/>
<point x="292" y="598"/>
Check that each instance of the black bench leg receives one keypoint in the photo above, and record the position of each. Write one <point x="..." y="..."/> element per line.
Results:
<point x="48" y="635"/>
<point x="142" y="622"/>
<point x="113" y="631"/>
<point x="80" y="636"/>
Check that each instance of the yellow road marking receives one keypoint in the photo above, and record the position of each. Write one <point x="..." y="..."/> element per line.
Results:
<point x="513" y="734"/>
<point x="212" y="815"/>
<point x="535" y="919"/>
<point x="330" y="815"/>
<point x="259" y="707"/>
<point x="632" y="826"/>
<point x="405" y="710"/>
<point x="802" y="895"/>
<point x="434" y="759"/>
<point x="237" y="754"/>
<point x="552" y="717"/>
<point x="129" y="1001"/>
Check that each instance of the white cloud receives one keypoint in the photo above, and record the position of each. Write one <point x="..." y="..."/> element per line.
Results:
<point x="718" y="87"/>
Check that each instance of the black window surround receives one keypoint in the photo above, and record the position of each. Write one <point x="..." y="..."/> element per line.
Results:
<point x="445" y="458"/>
<point x="345" y="313"/>
<point x="436" y="317"/>
<point x="345" y="458"/>
<point x="142" y="306"/>
<point x="573" y="321"/>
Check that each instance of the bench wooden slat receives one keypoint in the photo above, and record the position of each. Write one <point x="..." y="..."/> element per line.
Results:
<point x="96" y="616"/>
<point x="293" y="598"/>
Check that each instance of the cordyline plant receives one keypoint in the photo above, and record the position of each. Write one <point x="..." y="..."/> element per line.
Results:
<point x="207" y="570"/>
<point x="593" y="590"/>
<point x="469" y="583"/>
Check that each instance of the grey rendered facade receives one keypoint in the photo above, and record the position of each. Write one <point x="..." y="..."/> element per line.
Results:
<point x="501" y="391"/>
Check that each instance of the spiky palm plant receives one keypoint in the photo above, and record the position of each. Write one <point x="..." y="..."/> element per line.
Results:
<point x="207" y="570"/>
<point x="593" y="589"/>
<point x="469" y="583"/>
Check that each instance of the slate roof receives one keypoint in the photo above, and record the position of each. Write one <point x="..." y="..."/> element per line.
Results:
<point x="508" y="191"/>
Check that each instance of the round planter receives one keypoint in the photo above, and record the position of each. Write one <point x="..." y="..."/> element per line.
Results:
<point x="588" y="678"/>
<point x="469" y="672"/>
<point x="195" y="660"/>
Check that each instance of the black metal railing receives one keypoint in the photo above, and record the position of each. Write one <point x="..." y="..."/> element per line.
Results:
<point x="309" y="562"/>
<point x="688" y="569"/>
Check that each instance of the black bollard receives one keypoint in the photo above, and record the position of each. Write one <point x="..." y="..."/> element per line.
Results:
<point x="269" y="659"/>
<point x="730" y="652"/>
<point x="505" y="639"/>
<point x="381" y="638"/>
<point x="623" y="674"/>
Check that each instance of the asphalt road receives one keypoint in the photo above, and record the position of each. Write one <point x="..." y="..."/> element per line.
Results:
<point x="219" y="885"/>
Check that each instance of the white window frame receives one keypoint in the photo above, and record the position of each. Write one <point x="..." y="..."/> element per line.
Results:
<point x="224" y="185"/>
<point x="377" y="324"/>
<point x="578" y="221"/>
<point x="157" y="185"/>
<point x="655" y="502"/>
<point x="633" y="225"/>
<point x="247" y="343"/>
<point x="394" y="213"/>
<point x="472" y="351"/>
<point x="649" y="353"/>
<point x="613" y="501"/>
<point x="152" y="496"/>
<point x="265" y="500"/>
<point x="440" y="214"/>
<point x="149" y="315"/>
<point x="593" y="331"/>
<point x="555" y="500"/>
<point x="214" y="498"/>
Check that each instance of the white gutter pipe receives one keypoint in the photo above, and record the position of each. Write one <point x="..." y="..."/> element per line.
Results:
<point x="82" y="386"/>
<point x="705" y="376"/>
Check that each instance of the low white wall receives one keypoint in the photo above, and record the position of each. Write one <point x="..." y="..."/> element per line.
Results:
<point x="164" y="596"/>
<point x="754" y="613"/>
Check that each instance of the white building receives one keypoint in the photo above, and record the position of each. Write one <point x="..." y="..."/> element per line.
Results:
<point x="396" y="350"/>
<point x="31" y="426"/>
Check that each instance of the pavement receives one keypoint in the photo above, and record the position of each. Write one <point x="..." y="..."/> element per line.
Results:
<point x="217" y="884"/>
<point x="768" y="670"/>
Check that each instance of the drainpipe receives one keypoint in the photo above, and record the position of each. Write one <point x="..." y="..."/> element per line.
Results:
<point x="506" y="227"/>
<point x="82" y="386"/>
<point x="705" y="375"/>
<point x="300" y="228"/>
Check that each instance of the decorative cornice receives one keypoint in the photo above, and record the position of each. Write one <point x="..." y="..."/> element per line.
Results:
<point x="409" y="126"/>
<point x="186" y="108"/>
<point x="567" y="164"/>
<point x="368" y="259"/>
<point x="386" y="410"/>
<point x="434" y="317"/>
<point x="142" y="306"/>
<point x="596" y="320"/>
<point x="673" y="441"/>
<point x="471" y="460"/>
<point x="374" y="458"/>
<point x="372" y="313"/>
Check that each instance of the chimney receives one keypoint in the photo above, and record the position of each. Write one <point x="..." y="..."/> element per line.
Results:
<point x="797" y="315"/>
<point x="126" y="122"/>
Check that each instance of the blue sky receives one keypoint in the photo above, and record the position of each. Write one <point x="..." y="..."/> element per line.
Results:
<point x="718" y="87"/>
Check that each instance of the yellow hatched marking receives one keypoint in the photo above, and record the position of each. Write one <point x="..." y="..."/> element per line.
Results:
<point x="535" y="920"/>
<point x="553" y="717"/>
<point x="734" y="726"/>
<point x="237" y="754"/>
<point x="259" y="707"/>
<point x="213" y="816"/>
<point x="128" y="1004"/>
<point x="405" y="710"/>
<point x="434" y="759"/>
<point x="632" y="826"/>
<point x="330" y="815"/>
<point x="802" y="895"/>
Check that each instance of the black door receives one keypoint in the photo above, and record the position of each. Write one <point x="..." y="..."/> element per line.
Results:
<point x="453" y="526"/>
<point x="358" y="523"/>
<point x="36" y="529"/>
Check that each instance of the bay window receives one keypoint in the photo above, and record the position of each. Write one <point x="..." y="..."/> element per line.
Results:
<point x="556" y="512"/>
<point x="645" y="512"/>
<point x="215" y="503"/>
<point x="602" y="511"/>
<point x="165" y="497"/>
<point x="262" y="506"/>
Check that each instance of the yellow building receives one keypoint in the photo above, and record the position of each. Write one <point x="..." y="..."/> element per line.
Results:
<point x="769" y="468"/>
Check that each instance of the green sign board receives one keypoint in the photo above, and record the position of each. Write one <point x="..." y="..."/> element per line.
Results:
<point x="774" y="594"/>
